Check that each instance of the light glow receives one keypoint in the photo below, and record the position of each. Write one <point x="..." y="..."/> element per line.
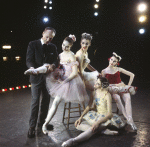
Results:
<point x="29" y="85"/>
<point x="96" y="13"/>
<point x="17" y="58"/>
<point x="45" y="7"/>
<point x="46" y="1"/>
<point x="96" y="6"/>
<point x="24" y="86"/>
<point x="45" y="19"/>
<point x="50" y="8"/>
<point x="5" y="58"/>
<point x="97" y="0"/>
<point x="142" y="7"/>
<point x="12" y="88"/>
<point x="6" y="47"/>
<point x="141" y="31"/>
<point x="50" y="2"/>
<point x="142" y="18"/>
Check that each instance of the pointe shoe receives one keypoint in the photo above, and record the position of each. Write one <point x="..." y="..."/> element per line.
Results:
<point x="132" y="90"/>
<point x="31" y="72"/>
<point x="44" y="129"/>
<point x="68" y="143"/>
<point x="109" y="132"/>
<point x="132" y="124"/>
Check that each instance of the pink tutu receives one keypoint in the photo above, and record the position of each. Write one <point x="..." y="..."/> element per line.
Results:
<point x="72" y="91"/>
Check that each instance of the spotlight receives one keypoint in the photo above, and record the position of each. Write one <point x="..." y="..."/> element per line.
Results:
<point x="97" y="0"/>
<point x="29" y="85"/>
<point x="141" y="31"/>
<point x="142" y="18"/>
<point x="142" y="7"/>
<point x="45" y="19"/>
<point x="96" y="13"/>
<point x="96" y="6"/>
<point x="6" y="47"/>
<point x="50" y="2"/>
<point x="5" y="58"/>
<point x="45" y="7"/>
<point x="46" y="1"/>
<point x="50" y="8"/>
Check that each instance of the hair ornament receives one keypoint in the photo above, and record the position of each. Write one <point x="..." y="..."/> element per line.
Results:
<point x="72" y="37"/>
<point x="87" y="35"/>
<point x="117" y="56"/>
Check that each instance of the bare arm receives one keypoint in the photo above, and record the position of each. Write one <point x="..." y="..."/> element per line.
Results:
<point x="91" y="68"/>
<point x="87" y="109"/>
<point x="129" y="74"/>
<point x="79" y="58"/>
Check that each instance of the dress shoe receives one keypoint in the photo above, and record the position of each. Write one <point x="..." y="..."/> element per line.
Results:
<point x="31" y="133"/>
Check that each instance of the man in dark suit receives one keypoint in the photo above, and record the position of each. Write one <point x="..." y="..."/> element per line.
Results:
<point x="39" y="52"/>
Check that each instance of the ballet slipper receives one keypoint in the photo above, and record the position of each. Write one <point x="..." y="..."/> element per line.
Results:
<point x="133" y="90"/>
<point x="132" y="124"/>
<point x="109" y="132"/>
<point x="44" y="128"/>
<point x="31" y="72"/>
<point x="68" y="143"/>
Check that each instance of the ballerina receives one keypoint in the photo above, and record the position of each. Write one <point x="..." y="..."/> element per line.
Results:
<point x="117" y="88"/>
<point x="89" y="78"/>
<point x="97" y="118"/>
<point x="67" y="84"/>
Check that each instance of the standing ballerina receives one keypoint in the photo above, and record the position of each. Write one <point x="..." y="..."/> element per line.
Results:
<point x="97" y="116"/>
<point x="118" y="89"/>
<point x="89" y="78"/>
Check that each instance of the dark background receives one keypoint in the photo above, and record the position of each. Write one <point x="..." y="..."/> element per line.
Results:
<point x="115" y="29"/>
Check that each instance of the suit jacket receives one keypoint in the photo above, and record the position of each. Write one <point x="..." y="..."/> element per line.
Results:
<point x="37" y="55"/>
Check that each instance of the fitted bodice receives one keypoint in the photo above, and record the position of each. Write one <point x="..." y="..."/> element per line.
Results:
<point x="101" y="105"/>
<point x="113" y="78"/>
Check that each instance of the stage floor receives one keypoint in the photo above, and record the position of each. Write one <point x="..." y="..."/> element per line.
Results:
<point x="14" y="118"/>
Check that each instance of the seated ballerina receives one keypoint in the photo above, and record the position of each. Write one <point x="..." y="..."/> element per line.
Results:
<point x="64" y="82"/>
<point x="117" y="88"/>
<point x="89" y="78"/>
<point x="97" y="116"/>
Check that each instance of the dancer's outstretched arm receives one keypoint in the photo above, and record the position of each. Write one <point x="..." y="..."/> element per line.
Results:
<point x="86" y="110"/>
<point x="129" y="74"/>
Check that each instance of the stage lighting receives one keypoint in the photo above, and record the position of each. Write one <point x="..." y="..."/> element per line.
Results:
<point x="141" y="31"/>
<point x="17" y="58"/>
<point x="97" y="0"/>
<point x="45" y="7"/>
<point x="46" y="1"/>
<point x="6" y="46"/>
<point x="96" y="6"/>
<point x="142" y="7"/>
<point x="5" y="58"/>
<point x="50" y="2"/>
<point x="45" y="19"/>
<point x="50" y="8"/>
<point x="142" y="18"/>
<point x="96" y="13"/>
<point x="29" y="85"/>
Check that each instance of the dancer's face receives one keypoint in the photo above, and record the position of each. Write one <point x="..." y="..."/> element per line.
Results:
<point x="97" y="84"/>
<point x="113" y="61"/>
<point x="48" y="35"/>
<point x="66" y="46"/>
<point x="85" y="44"/>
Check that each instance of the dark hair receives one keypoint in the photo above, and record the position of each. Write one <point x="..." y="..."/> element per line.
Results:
<point x="104" y="81"/>
<point x="69" y="40"/>
<point x="86" y="36"/>
<point x="116" y="57"/>
<point x="50" y="28"/>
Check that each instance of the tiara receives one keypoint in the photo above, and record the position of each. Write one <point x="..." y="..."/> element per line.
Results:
<point x="117" y="56"/>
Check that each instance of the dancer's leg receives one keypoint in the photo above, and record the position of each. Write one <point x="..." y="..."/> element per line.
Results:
<point x="128" y="107"/>
<point x="119" y="104"/>
<point x="41" y="69"/>
<point x="51" y="113"/>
